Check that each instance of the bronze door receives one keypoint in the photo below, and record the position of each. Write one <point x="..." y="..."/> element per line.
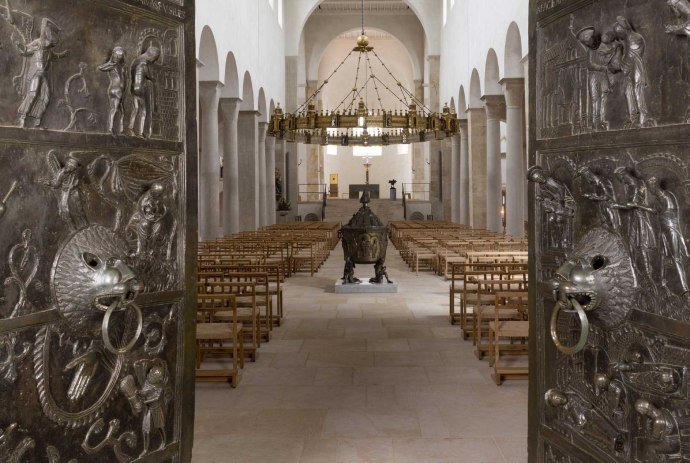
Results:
<point x="610" y="218"/>
<point x="97" y="237"/>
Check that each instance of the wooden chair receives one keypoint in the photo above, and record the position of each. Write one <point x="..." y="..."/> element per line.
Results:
<point x="516" y="329"/>
<point x="217" y="338"/>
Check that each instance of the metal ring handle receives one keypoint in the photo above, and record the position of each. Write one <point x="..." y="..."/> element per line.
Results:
<point x="105" y="331"/>
<point x="584" y="329"/>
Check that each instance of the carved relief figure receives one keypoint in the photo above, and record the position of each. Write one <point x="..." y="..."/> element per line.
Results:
<point x="634" y="71"/>
<point x="35" y="82"/>
<point x="558" y="204"/>
<point x="605" y="197"/>
<point x="601" y="50"/>
<point x="115" y="67"/>
<point x="682" y="9"/>
<point x="66" y="179"/>
<point x="641" y="235"/>
<point x="151" y="400"/>
<point x="672" y="242"/>
<point x="142" y="91"/>
<point x="146" y="223"/>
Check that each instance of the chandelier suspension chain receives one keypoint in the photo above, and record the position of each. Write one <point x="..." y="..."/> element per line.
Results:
<point x="390" y="91"/>
<point x="394" y="78"/>
<point x="355" y="93"/>
<point x="354" y="88"/>
<point x="378" y="95"/>
<point x="325" y="82"/>
<point x="362" y="17"/>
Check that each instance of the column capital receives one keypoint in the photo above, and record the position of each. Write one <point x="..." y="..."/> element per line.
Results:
<point x="495" y="106"/>
<point x="230" y="107"/>
<point x="463" y="125"/>
<point x="210" y="85"/>
<point x="209" y="91"/>
<point x="514" y="88"/>
<point x="263" y="128"/>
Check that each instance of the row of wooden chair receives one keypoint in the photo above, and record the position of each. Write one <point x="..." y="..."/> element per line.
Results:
<point x="240" y="290"/>
<point x="488" y="298"/>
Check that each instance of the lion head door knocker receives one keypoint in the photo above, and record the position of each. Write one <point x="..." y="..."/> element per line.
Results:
<point x="597" y="281"/>
<point x="94" y="290"/>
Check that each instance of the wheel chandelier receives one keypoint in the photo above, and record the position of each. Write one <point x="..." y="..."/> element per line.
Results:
<point x="354" y="122"/>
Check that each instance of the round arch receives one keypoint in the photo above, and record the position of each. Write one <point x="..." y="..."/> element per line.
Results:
<point x="231" y="78"/>
<point x="492" y="74"/>
<point x="247" y="93"/>
<point x="263" y="114"/>
<point x="513" y="52"/>
<point x="208" y="56"/>
<point x="427" y="22"/>
<point x="462" y="102"/>
<point x="316" y="53"/>
<point x="319" y="51"/>
<point x="475" y="90"/>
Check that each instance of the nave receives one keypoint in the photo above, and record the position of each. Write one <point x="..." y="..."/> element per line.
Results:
<point x="363" y="378"/>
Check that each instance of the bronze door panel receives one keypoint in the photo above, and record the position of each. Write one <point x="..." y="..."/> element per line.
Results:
<point x="96" y="242"/>
<point x="610" y="218"/>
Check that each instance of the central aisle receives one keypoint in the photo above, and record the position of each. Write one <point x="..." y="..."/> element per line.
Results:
<point x="363" y="378"/>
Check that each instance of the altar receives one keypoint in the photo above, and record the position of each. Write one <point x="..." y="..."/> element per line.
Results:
<point x="357" y="189"/>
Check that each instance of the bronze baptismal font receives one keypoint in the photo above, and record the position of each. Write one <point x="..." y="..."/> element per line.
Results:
<point x="365" y="240"/>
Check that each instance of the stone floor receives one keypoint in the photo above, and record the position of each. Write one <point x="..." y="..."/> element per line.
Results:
<point x="363" y="378"/>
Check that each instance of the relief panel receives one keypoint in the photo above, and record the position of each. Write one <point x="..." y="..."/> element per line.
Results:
<point x="94" y="230"/>
<point x="614" y="286"/>
<point x="607" y="65"/>
<point x="92" y="69"/>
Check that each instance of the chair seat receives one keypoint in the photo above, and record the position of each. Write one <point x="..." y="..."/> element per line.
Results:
<point x="215" y="331"/>
<point x="518" y="329"/>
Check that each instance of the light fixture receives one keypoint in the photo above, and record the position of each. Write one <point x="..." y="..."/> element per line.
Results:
<point x="354" y="122"/>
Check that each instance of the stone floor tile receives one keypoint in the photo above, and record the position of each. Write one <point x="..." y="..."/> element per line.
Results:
<point x="334" y="376"/>
<point x="388" y="345"/>
<point x="365" y="451"/>
<point x="243" y="449"/>
<point x="340" y="359"/>
<point x="440" y="450"/>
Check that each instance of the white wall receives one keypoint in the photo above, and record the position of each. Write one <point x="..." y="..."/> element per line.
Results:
<point x="472" y="28"/>
<point x="251" y="31"/>
<point x="350" y="169"/>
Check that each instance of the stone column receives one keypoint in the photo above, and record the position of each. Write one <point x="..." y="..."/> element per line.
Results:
<point x="455" y="178"/>
<point x="476" y="118"/>
<point x="231" y="193"/>
<point x="209" y="162"/>
<point x="417" y="149"/>
<point x="464" y="181"/>
<point x="270" y="180"/>
<point x="248" y="148"/>
<point x="515" y="172"/>
<point x="495" y="111"/>
<point x="263" y="128"/>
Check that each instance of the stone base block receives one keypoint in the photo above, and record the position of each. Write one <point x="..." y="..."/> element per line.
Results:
<point x="365" y="288"/>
